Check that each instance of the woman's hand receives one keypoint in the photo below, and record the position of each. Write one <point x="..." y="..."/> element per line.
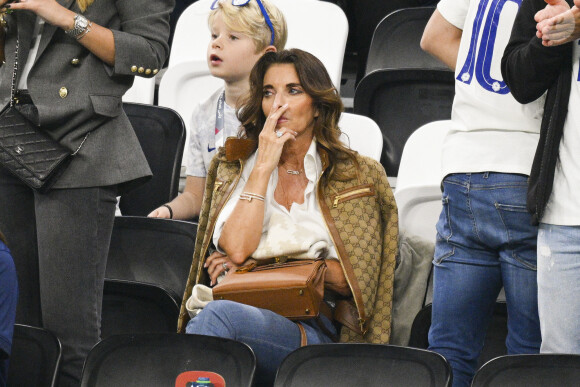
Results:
<point x="216" y="264"/>
<point x="553" y="8"/>
<point x="562" y="28"/>
<point x="51" y="11"/>
<point x="335" y="279"/>
<point x="271" y="141"/>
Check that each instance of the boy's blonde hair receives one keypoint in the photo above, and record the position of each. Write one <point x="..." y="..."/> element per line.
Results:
<point x="248" y="20"/>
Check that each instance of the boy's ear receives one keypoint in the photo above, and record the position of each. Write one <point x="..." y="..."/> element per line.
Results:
<point x="270" y="49"/>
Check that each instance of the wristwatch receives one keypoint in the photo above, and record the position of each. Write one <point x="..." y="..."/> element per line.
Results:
<point x="81" y="27"/>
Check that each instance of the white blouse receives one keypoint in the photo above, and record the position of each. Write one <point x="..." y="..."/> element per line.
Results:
<point x="309" y="226"/>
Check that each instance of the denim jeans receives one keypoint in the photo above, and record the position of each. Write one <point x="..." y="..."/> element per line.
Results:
<point x="559" y="287"/>
<point x="485" y="240"/>
<point x="271" y="336"/>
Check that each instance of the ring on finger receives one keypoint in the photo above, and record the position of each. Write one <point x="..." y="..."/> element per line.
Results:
<point x="279" y="134"/>
<point x="225" y="266"/>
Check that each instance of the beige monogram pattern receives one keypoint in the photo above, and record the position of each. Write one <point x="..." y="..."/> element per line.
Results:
<point x="367" y="223"/>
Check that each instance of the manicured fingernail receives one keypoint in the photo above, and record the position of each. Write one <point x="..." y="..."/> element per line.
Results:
<point x="205" y="264"/>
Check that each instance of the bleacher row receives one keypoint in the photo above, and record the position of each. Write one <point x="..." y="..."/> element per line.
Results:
<point x="399" y="111"/>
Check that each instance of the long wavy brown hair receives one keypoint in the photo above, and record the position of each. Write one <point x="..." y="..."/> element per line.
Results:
<point x="84" y="4"/>
<point x="316" y="82"/>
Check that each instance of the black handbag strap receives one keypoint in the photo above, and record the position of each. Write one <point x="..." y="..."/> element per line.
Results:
<point x="14" y="72"/>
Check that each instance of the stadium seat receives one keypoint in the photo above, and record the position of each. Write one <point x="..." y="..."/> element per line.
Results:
<point x="318" y="27"/>
<point x="418" y="192"/>
<point x="161" y="133"/>
<point x="396" y="42"/>
<point x="361" y="134"/>
<point x="540" y="370"/>
<point x="35" y="358"/>
<point x="364" y="17"/>
<point x="366" y="365"/>
<point x="152" y="250"/>
<point x="493" y="346"/>
<point x="133" y="307"/>
<point x="158" y="359"/>
<point x="142" y="91"/>
<point x="402" y="100"/>
<point x="183" y="86"/>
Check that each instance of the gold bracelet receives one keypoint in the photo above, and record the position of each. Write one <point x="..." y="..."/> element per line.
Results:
<point x="249" y="196"/>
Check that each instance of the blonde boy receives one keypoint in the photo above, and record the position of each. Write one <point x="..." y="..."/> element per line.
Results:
<point x="240" y="35"/>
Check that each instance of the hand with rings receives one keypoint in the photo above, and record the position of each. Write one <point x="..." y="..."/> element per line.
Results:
<point x="272" y="138"/>
<point x="217" y="264"/>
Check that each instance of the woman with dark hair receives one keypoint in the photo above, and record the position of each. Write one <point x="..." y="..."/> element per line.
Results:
<point x="289" y="187"/>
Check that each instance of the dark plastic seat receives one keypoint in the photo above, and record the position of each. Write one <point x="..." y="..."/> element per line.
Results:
<point x="134" y="307"/>
<point x="402" y="100"/>
<point x="366" y="15"/>
<point x="161" y="133"/>
<point x="366" y="365"/>
<point x="151" y="250"/>
<point x="541" y="370"/>
<point x="35" y="358"/>
<point x="396" y="42"/>
<point x="493" y="346"/>
<point x="158" y="359"/>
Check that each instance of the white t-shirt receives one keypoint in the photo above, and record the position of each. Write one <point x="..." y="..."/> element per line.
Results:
<point x="307" y="215"/>
<point x="202" y="140"/>
<point x="490" y="130"/>
<point x="563" y="207"/>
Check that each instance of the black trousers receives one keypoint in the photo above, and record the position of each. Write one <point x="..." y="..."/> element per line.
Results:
<point x="59" y="242"/>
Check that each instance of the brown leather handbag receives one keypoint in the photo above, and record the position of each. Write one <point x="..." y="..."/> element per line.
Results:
<point x="293" y="289"/>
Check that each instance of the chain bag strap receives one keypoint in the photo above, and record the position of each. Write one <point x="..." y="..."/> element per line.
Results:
<point x="26" y="151"/>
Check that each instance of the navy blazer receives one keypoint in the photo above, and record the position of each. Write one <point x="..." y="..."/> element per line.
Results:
<point x="77" y="93"/>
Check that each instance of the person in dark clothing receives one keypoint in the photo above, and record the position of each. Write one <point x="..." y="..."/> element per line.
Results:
<point x="8" y="298"/>
<point x="534" y="63"/>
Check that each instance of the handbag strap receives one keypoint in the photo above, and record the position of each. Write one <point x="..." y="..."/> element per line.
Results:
<point x="13" y="92"/>
<point x="14" y="72"/>
<point x="303" y="338"/>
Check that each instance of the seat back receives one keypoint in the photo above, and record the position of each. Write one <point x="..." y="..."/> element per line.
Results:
<point x="366" y="365"/>
<point x="493" y="346"/>
<point x="418" y="192"/>
<point x="361" y="134"/>
<point x="161" y="133"/>
<point x="537" y="370"/>
<point x="142" y="91"/>
<point x="158" y="359"/>
<point x="183" y="86"/>
<point x="396" y="42"/>
<point x="135" y="307"/>
<point x="402" y="100"/>
<point x="151" y="250"/>
<point x="35" y="357"/>
<point x="318" y="27"/>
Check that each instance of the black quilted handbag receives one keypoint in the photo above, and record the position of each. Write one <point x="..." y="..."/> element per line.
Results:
<point x="28" y="152"/>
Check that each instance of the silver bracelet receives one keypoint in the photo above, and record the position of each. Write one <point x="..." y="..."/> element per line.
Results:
<point x="249" y="196"/>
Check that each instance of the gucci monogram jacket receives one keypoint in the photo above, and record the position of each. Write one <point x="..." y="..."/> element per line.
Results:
<point x="361" y="216"/>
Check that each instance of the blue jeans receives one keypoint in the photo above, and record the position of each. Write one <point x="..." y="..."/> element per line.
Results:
<point x="559" y="287"/>
<point x="271" y="336"/>
<point x="485" y="240"/>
